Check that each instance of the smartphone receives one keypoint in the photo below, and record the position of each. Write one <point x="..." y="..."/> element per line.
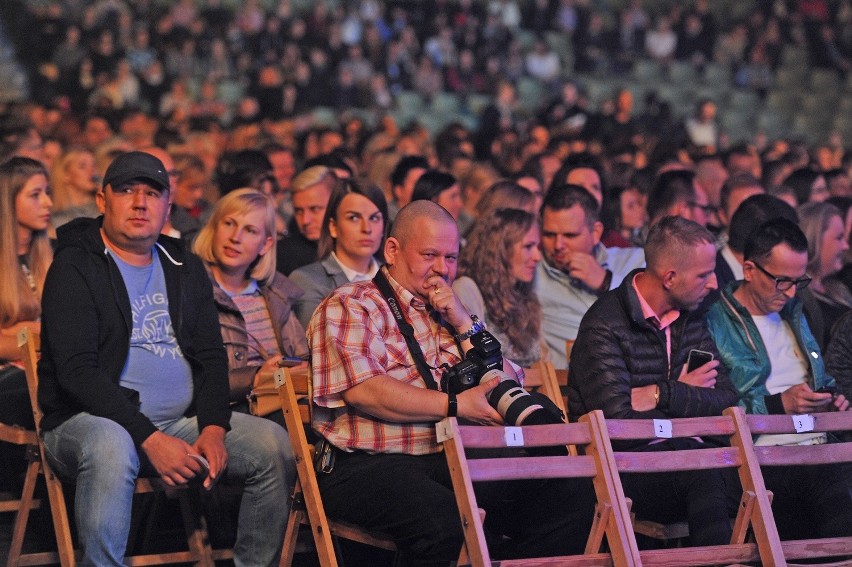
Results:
<point x="697" y="358"/>
<point x="290" y="362"/>
<point x="205" y="468"/>
<point x="827" y="390"/>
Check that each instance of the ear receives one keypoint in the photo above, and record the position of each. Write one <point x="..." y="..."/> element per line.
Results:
<point x="266" y="246"/>
<point x="669" y="278"/>
<point x="597" y="232"/>
<point x="392" y="249"/>
<point x="748" y="271"/>
<point x="100" y="200"/>
<point x="332" y="228"/>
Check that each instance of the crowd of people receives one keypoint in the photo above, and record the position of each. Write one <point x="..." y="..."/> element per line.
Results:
<point x="216" y="243"/>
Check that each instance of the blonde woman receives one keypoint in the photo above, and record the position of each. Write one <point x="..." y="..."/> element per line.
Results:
<point x="74" y="182"/>
<point x="255" y="302"/>
<point x="24" y="219"/>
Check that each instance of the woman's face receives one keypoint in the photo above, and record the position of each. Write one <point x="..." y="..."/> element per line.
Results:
<point x="819" y="190"/>
<point x="357" y="228"/>
<point x="526" y="255"/>
<point x="834" y="244"/>
<point x="239" y="239"/>
<point x="632" y="209"/>
<point x="33" y="203"/>
<point x="451" y="200"/>
<point x="81" y="173"/>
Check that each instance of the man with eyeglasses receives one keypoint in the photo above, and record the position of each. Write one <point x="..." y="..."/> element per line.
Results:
<point x="775" y="363"/>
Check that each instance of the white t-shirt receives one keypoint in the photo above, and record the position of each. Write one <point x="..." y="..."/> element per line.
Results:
<point x="789" y="368"/>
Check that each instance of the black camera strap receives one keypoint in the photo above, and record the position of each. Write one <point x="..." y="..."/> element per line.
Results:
<point x="406" y="329"/>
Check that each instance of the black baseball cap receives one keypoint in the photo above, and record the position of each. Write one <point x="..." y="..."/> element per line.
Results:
<point x="137" y="166"/>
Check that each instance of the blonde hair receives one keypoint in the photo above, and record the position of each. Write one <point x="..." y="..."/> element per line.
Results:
<point x="17" y="300"/>
<point x="59" y="178"/>
<point x="313" y="176"/>
<point x="241" y="201"/>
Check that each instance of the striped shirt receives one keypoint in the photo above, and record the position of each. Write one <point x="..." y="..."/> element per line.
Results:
<point x="353" y="337"/>
<point x="262" y="343"/>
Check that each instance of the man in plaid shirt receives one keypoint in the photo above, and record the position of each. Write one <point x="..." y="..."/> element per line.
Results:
<point x="378" y="414"/>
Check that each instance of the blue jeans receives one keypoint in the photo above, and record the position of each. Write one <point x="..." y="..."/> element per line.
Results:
<point x="98" y="455"/>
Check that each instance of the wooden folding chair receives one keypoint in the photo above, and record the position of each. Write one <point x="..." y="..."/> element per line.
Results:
<point x="306" y="507"/>
<point x="754" y="511"/>
<point x="199" y="551"/>
<point x="804" y="455"/>
<point x="612" y="517"/>
<point x="22" y="505"/>
<point x="543" y="377"/>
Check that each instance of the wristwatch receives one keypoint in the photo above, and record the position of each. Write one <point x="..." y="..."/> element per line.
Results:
<point x="452" y="405"/>
<point x="478" y="327"/>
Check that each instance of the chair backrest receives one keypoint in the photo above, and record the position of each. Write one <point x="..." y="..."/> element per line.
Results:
<point x="803" y="455"/>
<point x="589" y="433"/>
<point x="30" y="345"/>
<point x="544" y="377"/>
<point x="755" y="510"/>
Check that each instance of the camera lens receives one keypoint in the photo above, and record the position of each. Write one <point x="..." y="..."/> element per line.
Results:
<point x="515" y="404"/>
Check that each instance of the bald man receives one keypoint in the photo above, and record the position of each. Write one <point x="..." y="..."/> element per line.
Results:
<point x="630" y="360"/>
<point x="377" y="411"/>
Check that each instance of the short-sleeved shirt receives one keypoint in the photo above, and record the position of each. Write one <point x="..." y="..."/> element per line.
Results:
<point x="354" y="337"/>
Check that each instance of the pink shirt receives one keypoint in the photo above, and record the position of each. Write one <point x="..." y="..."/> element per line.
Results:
<point x="663" y="323"/>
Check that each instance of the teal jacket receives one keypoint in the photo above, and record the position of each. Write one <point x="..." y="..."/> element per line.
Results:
<point x="742" y="351"/>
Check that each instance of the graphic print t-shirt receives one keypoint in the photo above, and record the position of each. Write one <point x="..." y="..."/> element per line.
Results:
<point x="155" y="367"/>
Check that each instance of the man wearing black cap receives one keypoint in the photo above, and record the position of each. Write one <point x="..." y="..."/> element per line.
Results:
<point x="134" y="377"/>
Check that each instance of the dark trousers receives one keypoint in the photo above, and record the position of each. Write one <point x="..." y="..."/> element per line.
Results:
<point x="411" y="499"/>
<point x="705" y="499"/>
<point x="810" y="501"/>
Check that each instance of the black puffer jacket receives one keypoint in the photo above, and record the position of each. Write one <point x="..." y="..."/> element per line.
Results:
<point x="617" y="349"/>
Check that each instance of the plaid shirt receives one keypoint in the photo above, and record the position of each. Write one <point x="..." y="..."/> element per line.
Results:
<point x="353" y="337"/>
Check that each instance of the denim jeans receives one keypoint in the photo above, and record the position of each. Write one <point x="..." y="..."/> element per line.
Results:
<point x="98" y="455"/>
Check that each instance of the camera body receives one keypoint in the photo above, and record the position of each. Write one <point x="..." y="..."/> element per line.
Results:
<point x="509" y="398"/>
<point x="484" y="357"/>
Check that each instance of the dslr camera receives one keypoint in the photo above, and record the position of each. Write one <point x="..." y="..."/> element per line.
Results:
<point x="514" y="404"/>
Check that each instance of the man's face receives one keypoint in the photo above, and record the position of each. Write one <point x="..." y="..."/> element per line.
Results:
<point x="697" y="210"/>
<point x="694" y="278"/>
<point x="430" y="252"/>
<point x="588" y="179"/>
<point x="134" y="215"/>
<point x="404" y="192"/>
<point x="309" y="209"/>
<point x="564" y="232"/>
<point x="283" y="168"/>
<point x="783" y="262"/>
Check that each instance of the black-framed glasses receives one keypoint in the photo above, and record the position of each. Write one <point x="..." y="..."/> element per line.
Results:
<point x="783" y="284"/>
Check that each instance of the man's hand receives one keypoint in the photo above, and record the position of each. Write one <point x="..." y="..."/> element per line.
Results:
<point x="801" y="399"/>
<point x="474" y="407"/>
<point x="586" y="268"/>
<point x="211" y="445"/>
<point x="840" y="403"/>
<point x="643" y="398"/>
<point x="170" y="457"/>
<point x="444" y="300"/>
<point x="702" y="377"/>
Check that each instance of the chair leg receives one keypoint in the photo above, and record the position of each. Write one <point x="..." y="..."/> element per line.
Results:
<point x="196" y="529"/>
<point x="59" y="513"/>
<point x="291" y="535"/>
<point x="24" y="507"/>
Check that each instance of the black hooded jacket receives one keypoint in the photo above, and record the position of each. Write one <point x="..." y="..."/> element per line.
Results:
<point x="86" y="328"/>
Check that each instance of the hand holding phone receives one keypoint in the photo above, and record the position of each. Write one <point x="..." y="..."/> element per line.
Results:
<point x="697" y="359"/>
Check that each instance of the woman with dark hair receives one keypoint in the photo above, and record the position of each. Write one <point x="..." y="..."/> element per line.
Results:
<point x="353" y="232"/>
<point x="624" y="215"/>
<point x="810" y="185"/>
<point x="441" y="188"/>
<point x="496" y="270"/>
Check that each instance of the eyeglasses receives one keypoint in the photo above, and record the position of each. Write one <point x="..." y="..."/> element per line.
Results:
<point x="784" y="284"/>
